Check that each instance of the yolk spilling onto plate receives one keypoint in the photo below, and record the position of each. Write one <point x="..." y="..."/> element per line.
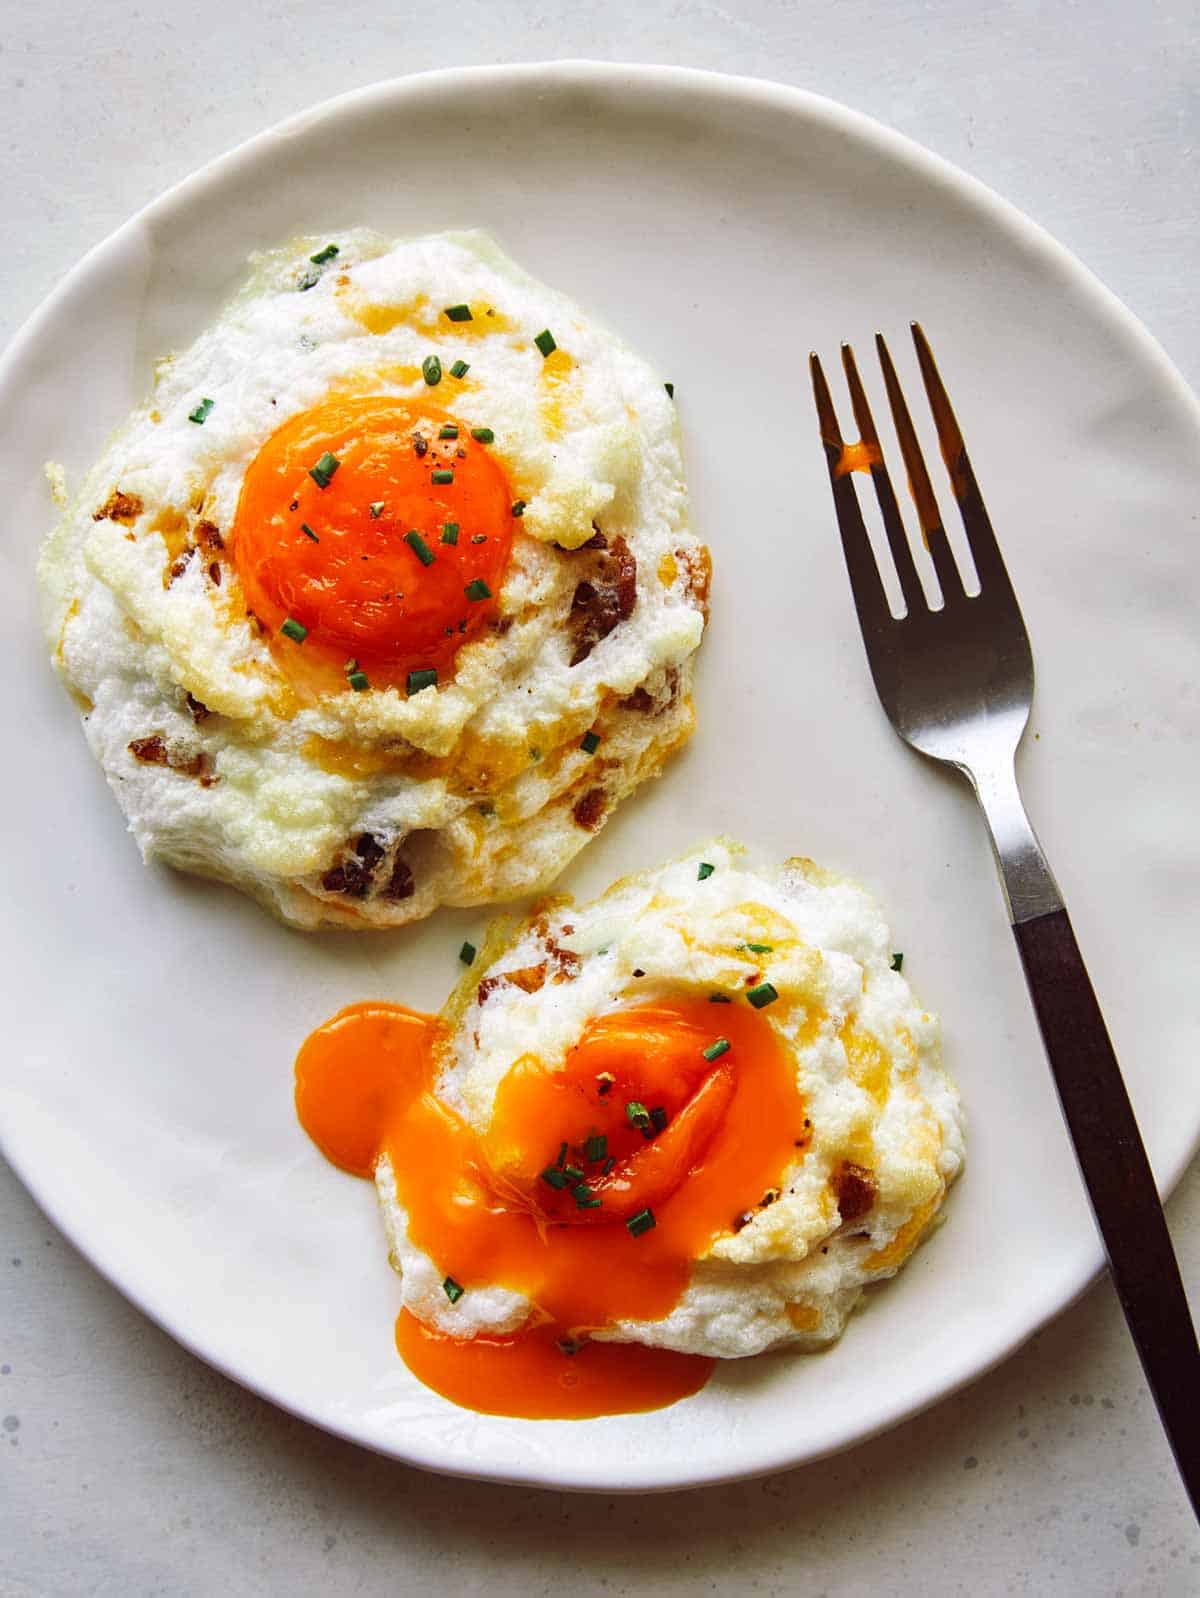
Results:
<point x="592" y="1191"/>
<point x="381" y="530"/>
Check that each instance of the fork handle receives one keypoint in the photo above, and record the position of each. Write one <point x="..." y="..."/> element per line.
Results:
<point x="1118" y="1178"/>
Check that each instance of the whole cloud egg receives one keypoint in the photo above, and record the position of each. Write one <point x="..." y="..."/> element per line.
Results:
<point x="247" y="746"/>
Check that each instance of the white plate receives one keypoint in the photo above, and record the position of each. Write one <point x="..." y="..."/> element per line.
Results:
<point x="725" y="227"/>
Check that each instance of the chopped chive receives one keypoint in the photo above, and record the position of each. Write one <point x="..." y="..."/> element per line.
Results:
<point x="308" y="280"/>
<point x="483" y="435"/>
<point x="419" y="548"/>
<point x="294" y="629"/>
<point x="670" y="388"/>
<point x="324" y="469"/>
<point x="572" y="1173"/>
<point x="759" y="948"/>
<point x="518" y="508"/>
<point x="719" y="998"/>
<point x="704" y="871"/>
<point x="658" y="1118"/>
<point x="452" y="1289"/>
<point x="376" y="509"/>
<point x="595" y="1148"/>
<point x="637" y="1114"/>
<point x="608" y="1165"/>
<point x="477" y="589"/>
<point x="458" y="313"/>
<point x="762" y="995"/>
<point x="715" y="1050"/>
<point x="467" y="954"/>
<point x="327" y="254"/>
<point x="358" y="680"/>
<point x="449" y="532"/>
<point x="588" y="1203"/>
<point x="545" y="342"/>
<point x="446" y="475"/>
<point x="581" y="1191"/>
<point x="590" y="742"/>
<point x="200" y="413"/>
<point x="450" y="430"/>
<point x="562" y="1155"/>
<point x="460" y="369"/>
<point x="554" y="1178"/>
<point x="431" y="370"/>
<point x="308" y="532"/>
<point x="643" y="1221"/>
<point x="426" y="678"/>
<point x="898" y="960"/>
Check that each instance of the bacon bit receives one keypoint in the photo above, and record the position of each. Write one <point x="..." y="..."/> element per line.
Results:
<point x="855" y="1189"/>
<point x="208" y="534"/>
<point x="597" y="540"/>
<point x="529" y="978"/>
<point x="179" y="566"/>
<point x="214" y="573"/>
<point x="153" y="751"/>
<point x="768" y="1198"/>
<point x="353" y="876"/>
<point x="639" y="700"/>
<point x="566" y="961"/>
<point x="199" y="712"/>
<point x="698" y="565"/>
<point x="400" y="884"/>
<point x="742" y="1220"/>
<point x="119" y="507"/>
<point x="600" y="605"/>
<point x="589" y="811"/>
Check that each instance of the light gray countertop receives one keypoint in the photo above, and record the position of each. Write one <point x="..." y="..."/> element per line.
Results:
<point x="130" y="1468"/>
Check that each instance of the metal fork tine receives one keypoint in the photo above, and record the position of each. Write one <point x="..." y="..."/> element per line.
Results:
<point x="919" y="485"/>
<point x="906" y="571"/>
<point x="870" y="600"/>
<point x="989" y="563"/>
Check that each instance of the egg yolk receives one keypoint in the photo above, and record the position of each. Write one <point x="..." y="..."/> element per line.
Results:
<point x="594" y="1189"/>
<point x="380" y="530"/>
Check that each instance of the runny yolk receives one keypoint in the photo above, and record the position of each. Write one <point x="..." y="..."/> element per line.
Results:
<point x="336" y="559"/>
<point x="719" y="1137"/>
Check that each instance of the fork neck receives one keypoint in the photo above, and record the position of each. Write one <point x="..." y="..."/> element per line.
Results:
<point x="1029" y="886"/>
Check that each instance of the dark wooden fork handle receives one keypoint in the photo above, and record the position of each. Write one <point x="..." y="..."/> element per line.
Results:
<point x="1118" y="1179"/>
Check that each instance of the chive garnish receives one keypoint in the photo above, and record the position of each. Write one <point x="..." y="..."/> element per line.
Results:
<point x="554" y="1178"/>
<point x="595" y="1148"/>
<point x="327" y="254"/>
<point x="762" y="995"/>
<point x="376" y="509"/>
<point x="608" y="1165"/>
<point x="467" y="954"/>
<point x="585" y="1200"/>
<point x="450" y="430"/>
<point x="425" y="678"/>
<point x="201" y="411"/>
<point x="545" y="342"/>
<point x="294" y="629"/>
<point x="446" y="475"/>
<point x="431" y="370"/>
<point x="719" y="998"/>
<point x="477" y="589"/>
<point x="643" y="1221"/>
<point x="562" y="1155"/>
<point x="581" y="1191"/>
<point x="324" y="469"/>
<point x="670" y="388"/>
<point x="452" y="1289"/>
<point x="572" y="1173"/>
<point x="449" y="532"/>
<point x="715" y="1050"/>
<point x="518" y="508"/>
<point x="308" y="280"/>
<point x="460" y="369"/>
<point x="419" y="548"/>
<point x="308" y="532"/>
<point x="759" y="948"/>
<point x="898" y="960"/>
<point x="590" y="742"/>
<point x="458" y="313"/>
<point x="358" y="680"/>
<point x="637" y="1114"/>
<point x="658" y="1118"/>
<point x="704" y="871"/>
<point x="483" y="435"/>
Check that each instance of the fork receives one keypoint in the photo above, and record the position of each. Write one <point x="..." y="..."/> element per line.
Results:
<point x="957" y="684"/>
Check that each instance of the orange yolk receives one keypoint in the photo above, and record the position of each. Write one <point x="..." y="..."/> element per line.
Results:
<point x="720" y="1134"/>
<point x="336" y="559"/>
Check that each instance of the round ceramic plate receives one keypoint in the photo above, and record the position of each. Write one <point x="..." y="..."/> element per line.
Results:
<point x="725" y="228"/>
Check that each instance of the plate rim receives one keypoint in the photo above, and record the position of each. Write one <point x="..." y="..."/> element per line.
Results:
<point x="798" y="103"/>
